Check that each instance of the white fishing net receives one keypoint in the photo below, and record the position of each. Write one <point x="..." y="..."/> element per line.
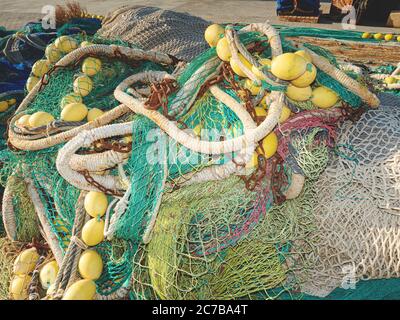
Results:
<point x="357" y="212"/>
<point x="178" y="34"/>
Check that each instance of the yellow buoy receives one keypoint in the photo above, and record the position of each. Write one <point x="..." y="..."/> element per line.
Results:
<point x="23" y="121"/>
<point x="307" y="78"/>
<point x="31" y="83"/>
<point x="305" y="55"/>
<point x="366" y="35"/>
<point x="95" y="203"/>
<point x="26" y="261"/>
<point x="48" y="274"/>
<point x="40" y="118"/>
<point x="378" y="36"/>
<point x="270" y="145"/>
<point x="81" y="290"/>
<point x="52" y="53"/>
<point x="398" y="38"/>
<point x="260" y="112"/>
<point x="93" y="232"/>
<point x="94" y="113"/>
<point x="83" y="85"/>
<point x="66" y="44"/>
<point x="288" y="66"/>
<point x="223" y="50"/>
<point x="324" y="98"/>
<point x="70" y="98"/>
<point x="91" y="66"/>
<point x="265" y="64"/>
<point x="213" y="34"/>
<point x="90" y="265"/>
<point x="85" y="44"/>
<point x="40" y="68"/>
<point x="298" y="94"/>
<point x="74" y="112"/>
<point x="3" y="106"/>
<point x="235" y="67"/>
<point x="389" y="37"/>
<point x="254" y="89"/>
<point x="390" y="80"/>
<point x="19" y="287"/>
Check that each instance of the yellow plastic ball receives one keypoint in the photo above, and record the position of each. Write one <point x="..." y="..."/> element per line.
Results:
<point x="26" y="261"/>
<point x="66" y="44"/>
<point x="388" y="37"/>
<point x="378" y="36"/>
<point x="90" y="265"/>
<point x="40" y="68"/>
<point x="93" y="232"/>
<point x="31" y="83"/>
<point x="40" y="118"/>
<point x="298" y="94"/>
<point x="223" y="50"/>
<point x="95" y="203"/>
<point x="213" y="34"/>
<point x="94" y="113"/>
<point x="74" y="112"/>
<point x="81" y="290"/>
<point x="19" y="287"/>
<point x="91" y="66"/>
<point x="83" y="85"/>
<point x="23" y="121"/>
<point x="52" y="53"/>
<point x="235" y="67"/>
<point x="265" y="64"/>
<point x="270" y="145"/>
<point x="288" y="66"/>
<point x="3" y="106"/>
<point x="70" y="98"/>
<point x="324" y="98"/>
<point x="254" y="89"/>
<point x="48" y="274"/>
<point x="366" y="35"/>
<point x="307" y="78"/>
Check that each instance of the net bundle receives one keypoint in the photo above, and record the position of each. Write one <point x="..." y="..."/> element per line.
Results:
<point x="187" y="216"/>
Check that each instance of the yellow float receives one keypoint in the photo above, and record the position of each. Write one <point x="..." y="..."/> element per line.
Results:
<point x="95" y="204"/>
<point x="298" y="94"/>
<point x="93" y="232"/>
<point x="91" y="66"/>
<point x="288" y="66"/>
<point x="74" y="112"/>
<point x="213" y="34"/>
<point x="90" y="265"/>
<point x="235" y="67"/>
<point x="81" y="290"/>
<point x="94" y="113"/>
<point x="26" y="261"/>
<point x="66" y="44"/>
<point x="48" y="274"/>
<point x="83" y="85"/>
<point x="223" y="50"/>
<point x="307" y="78"/>
<point x="40" y="67"/>
<point x="40" y="118"/>
<point x="324" y="98"/>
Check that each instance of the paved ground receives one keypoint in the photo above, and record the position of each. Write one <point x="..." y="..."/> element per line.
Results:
<point x="14" y="13"/>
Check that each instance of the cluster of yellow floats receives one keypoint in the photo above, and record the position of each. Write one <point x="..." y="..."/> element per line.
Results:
<point x="90" y="264"/>
<point x="295" y="68"/>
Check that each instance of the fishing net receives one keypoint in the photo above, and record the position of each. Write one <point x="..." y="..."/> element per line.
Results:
<point x="357" y="205"/>
<point x="178" y="34"/>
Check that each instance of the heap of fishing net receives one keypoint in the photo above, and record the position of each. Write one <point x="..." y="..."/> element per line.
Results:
<point x="188" y="217"/>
